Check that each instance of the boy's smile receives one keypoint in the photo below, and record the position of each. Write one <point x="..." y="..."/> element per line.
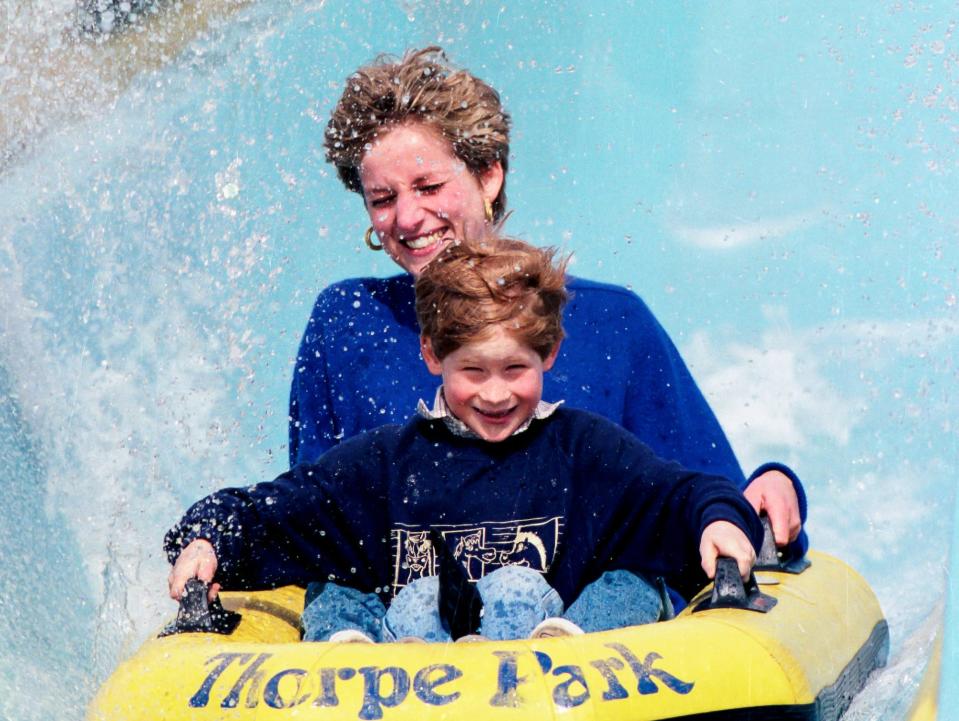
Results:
<point x="492" y="384"/>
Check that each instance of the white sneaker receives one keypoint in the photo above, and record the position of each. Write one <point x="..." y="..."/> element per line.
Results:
<point x="350" y="635"/>
<point x="472" y="638"/>
<point x="555" y="627"/>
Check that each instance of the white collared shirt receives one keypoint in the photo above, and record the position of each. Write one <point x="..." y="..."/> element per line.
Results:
<point x="441" y="411"/>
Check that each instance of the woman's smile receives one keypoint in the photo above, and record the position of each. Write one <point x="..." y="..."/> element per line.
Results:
<point x="423" y="242"/>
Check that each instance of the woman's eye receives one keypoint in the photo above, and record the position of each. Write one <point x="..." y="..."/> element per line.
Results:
<point x="380" y="202"/>
<point x="430" y="189"/>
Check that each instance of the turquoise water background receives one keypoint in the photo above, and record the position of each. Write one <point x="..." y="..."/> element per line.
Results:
<point x="777" y="181"/>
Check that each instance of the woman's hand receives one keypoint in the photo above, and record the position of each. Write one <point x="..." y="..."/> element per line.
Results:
<point x="773" y="492"/>
<point x="722" y="538"/>
<point x="197" y="560"/>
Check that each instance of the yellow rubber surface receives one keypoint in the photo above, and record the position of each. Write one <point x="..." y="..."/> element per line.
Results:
<point x="720" y="659"/>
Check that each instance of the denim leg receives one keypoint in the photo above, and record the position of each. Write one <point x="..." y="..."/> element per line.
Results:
<point x="515" y="599"/>
<point x="616" y="599"/>
<point x="331" y="608"/>
<point x="416" y="612"/>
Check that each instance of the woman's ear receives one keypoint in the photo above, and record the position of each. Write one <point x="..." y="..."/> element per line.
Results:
<point x="551" y="358"/>
<point x="491" y="181"/>
<point x="429" y="357"/>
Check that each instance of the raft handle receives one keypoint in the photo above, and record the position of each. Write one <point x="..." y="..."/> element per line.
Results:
<point x="196" y="615"/>
<point x="771" y="558"/>
<point x="729" y="591"/>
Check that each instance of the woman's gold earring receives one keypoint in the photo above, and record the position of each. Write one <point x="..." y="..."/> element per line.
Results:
<point x="488" y="207"/>
<point x="369" y="240"/>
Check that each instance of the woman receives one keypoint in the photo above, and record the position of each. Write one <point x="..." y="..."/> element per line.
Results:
<point x="427" y="147"/>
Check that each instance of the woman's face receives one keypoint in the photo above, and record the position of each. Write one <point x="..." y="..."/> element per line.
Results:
<point x="420" y="196"/>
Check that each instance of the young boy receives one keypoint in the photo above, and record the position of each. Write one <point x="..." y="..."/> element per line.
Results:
<point x="559" y="516"/>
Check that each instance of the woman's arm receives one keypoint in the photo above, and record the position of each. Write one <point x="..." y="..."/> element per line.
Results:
<point x="311" y="421"/>
<point x="664" y="406"/>
<point x="663" y="393"/>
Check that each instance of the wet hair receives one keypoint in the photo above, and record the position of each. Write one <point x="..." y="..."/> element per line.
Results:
<point x="421" y="88"/>
<point x="476" y="284"/>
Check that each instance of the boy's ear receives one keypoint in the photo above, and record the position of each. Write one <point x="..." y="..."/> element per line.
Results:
<point x="551" y="358"/>
<point x="429" y="357"/>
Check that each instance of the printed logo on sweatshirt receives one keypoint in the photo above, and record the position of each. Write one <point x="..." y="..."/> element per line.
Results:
<point x="480" y="547"/>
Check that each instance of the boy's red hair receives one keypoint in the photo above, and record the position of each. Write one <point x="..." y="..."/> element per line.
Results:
<point x="475" y="284"/>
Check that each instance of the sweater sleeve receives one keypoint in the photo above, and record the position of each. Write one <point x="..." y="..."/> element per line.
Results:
<point x="653" y="520"/>
<point x="312" y="427"/>
<point x="308" y="524"/>
<point x="665" y="406"/>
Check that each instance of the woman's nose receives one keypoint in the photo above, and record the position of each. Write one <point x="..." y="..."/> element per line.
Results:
<point x="409" y="212"/>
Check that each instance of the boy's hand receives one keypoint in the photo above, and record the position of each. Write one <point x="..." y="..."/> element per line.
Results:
<point x="197" y="560"/>
<point x="722" y="538"/>
<point x="775" y="494"/>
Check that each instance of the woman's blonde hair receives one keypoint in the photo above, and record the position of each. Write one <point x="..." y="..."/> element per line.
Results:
<point x="424" y="88"/>
<point x="474" y="285"/>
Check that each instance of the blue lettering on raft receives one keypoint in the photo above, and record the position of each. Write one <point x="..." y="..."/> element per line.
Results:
<point x="389" y="686"/>
<point x="566" y="695"/>
<point x="425" y="687"/>
<point x="202" y="697"/>
<point x="373" y="699"/>
<point x="645" y="673"/>
<point x="508" y="680"/>
<point x="271" y="694"/>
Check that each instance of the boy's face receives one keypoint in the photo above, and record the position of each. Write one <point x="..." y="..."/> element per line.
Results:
<point x="493" y="385"/>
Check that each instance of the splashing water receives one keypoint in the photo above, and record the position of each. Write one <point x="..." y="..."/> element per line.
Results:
<point x="166" y="218"/>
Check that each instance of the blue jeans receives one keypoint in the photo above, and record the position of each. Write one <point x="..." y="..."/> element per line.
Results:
<point x="515" y="600"/>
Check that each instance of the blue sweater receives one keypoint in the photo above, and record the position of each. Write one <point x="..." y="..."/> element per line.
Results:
<point x="573" y="496"/>
<point x="359" y="367"/>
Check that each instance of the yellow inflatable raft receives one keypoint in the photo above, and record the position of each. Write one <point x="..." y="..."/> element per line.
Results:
<point x="803" y="659"/>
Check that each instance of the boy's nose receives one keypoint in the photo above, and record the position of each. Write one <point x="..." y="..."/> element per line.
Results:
<point x="495" y="392"/>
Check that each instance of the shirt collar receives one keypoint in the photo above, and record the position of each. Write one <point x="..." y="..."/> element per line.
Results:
<point x="441" y="412"/>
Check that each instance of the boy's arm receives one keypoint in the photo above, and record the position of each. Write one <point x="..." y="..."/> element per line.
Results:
<point x="657" y="515"/>
<point x="313" y="522"/>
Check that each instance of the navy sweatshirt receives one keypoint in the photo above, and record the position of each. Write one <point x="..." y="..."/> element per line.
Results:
<point x="359" y="367"/>
<point x="573" y="496"/>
